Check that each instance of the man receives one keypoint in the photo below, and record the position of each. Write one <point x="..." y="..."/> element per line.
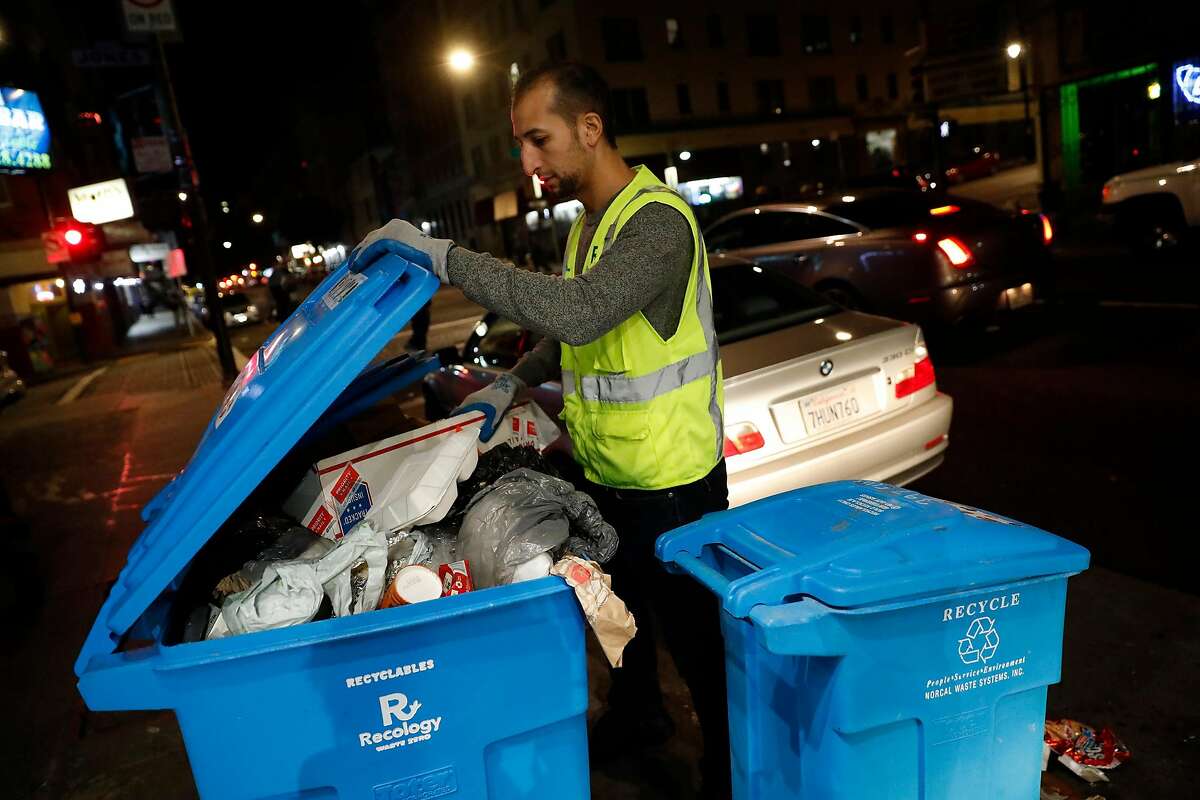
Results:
<point x="629" y="327"/>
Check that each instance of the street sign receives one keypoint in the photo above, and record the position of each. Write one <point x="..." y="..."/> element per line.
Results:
<point x="152" y="251"/>
<point x="149" y="16"/>
<point x="56" y="247"/>
<point x="101" y="202"/>
<point x="24" y="135"/>
<point x="176" y="266"/>
<point x="110" y="54"/>
<point x="151" y="154"/>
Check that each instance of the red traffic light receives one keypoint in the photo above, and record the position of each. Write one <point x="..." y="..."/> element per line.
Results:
<point x="84" y="241"/>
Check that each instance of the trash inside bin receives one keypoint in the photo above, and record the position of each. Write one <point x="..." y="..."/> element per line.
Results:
<point x="482" y="694"/>
<point x="881" y="643"/>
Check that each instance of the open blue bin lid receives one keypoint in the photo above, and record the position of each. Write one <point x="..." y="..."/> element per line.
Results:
<point x="303" y="368"/>
<point x="854" y="544"/>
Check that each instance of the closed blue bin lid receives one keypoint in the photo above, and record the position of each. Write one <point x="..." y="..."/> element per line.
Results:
<point x="303" y="368"/>
<point x="854" y="544"/>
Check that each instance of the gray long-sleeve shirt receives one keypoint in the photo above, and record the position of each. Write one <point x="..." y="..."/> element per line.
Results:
<point x="646" y="268"/>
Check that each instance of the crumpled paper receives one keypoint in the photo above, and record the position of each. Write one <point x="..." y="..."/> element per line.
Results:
<point x="611" y="621"/>
<point x="290" y="592"/>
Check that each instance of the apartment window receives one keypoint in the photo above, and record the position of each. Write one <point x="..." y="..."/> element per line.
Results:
<point x="674" y="35"/>
<point x="723" y="104"/>
<point x="622" y="42"/>
<point x="630" y="109"/>
<point x="856" y="30"/>
<point x="893" y="86"/>
<point x="684" y="97"/>
<point x="887" y="29"/>
<point x="815" y="34"/>
<point x="822" y="92"/>
<point x="861" y="88"/>
<point x="716" y="33"/>
<point x="477" y="160"/>
<point x="770" y="96"/>
<point x="556" y="48"/>
<point x="762" y="34"/>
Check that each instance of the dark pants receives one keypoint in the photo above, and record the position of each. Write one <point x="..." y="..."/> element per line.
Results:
<point x="685" y="612"/>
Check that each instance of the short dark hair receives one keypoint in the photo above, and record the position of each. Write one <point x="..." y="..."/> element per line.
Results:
<point x="578" y="89"/>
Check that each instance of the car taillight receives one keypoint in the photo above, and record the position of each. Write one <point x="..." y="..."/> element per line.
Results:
<point x="741" y="438"/>
<point x="1047" y="230"/>
<point x="958" y="253"/>
<point x="1105" y="192"/>
<point x="918" y="376"/>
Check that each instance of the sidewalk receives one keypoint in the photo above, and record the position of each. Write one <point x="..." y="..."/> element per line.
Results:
<point x="154" y="332"/>
<point x="79" y="472"/>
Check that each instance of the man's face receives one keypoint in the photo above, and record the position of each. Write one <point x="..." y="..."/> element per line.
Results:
<point x="550" y="146"/>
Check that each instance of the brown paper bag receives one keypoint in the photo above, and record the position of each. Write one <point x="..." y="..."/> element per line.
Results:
<point x="611" y="621"/>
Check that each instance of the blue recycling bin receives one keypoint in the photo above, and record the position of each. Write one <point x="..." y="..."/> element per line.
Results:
<point x="882" y="644"/>
<point x="481" y="695"/>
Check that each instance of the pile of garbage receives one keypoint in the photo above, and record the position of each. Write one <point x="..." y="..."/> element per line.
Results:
<point x="411" y="519"/>
<point x="1087" y="751"/>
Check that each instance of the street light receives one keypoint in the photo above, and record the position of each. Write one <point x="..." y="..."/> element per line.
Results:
<point x="182" y="197"/>
<point x="227" y="245"/>
<point x="1015" y="50"/>
<point x="461" y="61"/>
<point x="684" y="155"/>
<point x="257" y="219"/>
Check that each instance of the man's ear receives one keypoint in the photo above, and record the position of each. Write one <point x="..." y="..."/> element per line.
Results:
<point x="591" y="128"/>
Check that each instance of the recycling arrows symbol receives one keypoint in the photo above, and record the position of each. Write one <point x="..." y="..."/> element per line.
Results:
<point x="980" y="643"/>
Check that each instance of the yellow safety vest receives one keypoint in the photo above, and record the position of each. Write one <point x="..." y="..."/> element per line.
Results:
<point x="645" y="412"/>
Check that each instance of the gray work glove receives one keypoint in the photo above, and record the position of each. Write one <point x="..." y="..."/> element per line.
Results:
<point x="406" y="241"/>
<point x="493" y="400"/>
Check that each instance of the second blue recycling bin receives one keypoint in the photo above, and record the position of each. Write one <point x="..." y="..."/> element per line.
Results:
<point x="882" y="644"/>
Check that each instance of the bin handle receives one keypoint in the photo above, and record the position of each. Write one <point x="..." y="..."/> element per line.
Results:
<point x="712" y="578"/>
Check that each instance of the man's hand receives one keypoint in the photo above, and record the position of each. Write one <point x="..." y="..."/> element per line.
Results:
<point x="493" y="400"/>
<point x="406" y="241"/>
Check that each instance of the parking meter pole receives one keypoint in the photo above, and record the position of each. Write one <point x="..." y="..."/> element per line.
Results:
<point x="200" y="225"/>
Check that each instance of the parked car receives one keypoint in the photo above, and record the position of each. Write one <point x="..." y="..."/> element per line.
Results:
<point x="237" y="308"/>
<point x="931" y="258"/>
<point x="1154" y="208"/>
<point x="813" y="392"/>
<point x="981" y="165"/>
<point x="12" y="388"/>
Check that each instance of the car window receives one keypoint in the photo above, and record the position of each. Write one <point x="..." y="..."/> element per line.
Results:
<point x="750" y="301"/>
<point x="794" y="225"/>
<point x="887" y="211"/>
<point x="727" y="235"/>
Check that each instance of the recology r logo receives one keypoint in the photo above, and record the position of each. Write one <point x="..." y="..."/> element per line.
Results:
<point x="397" y="708"/>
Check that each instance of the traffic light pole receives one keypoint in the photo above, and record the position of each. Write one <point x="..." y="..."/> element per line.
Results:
<point x="200" y="227"/>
